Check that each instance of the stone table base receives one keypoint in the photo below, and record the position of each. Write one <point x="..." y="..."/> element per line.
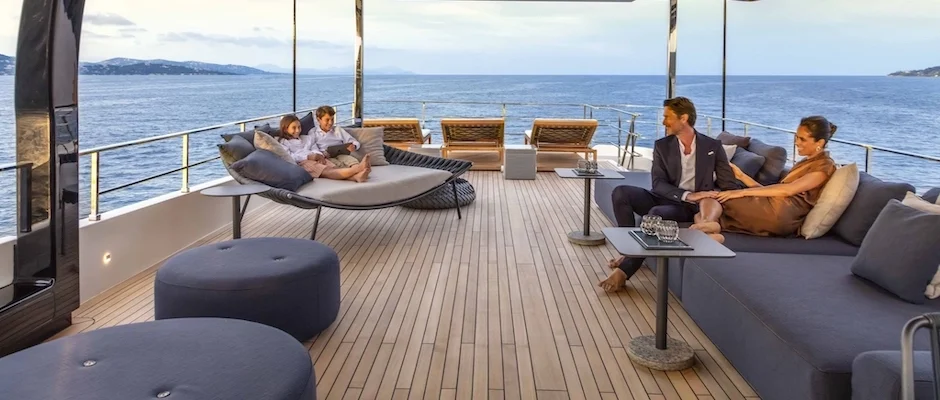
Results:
<point x="677" y="355"/>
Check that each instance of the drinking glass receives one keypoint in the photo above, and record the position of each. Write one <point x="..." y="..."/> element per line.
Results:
<point x="667" y="231"/>
<point x="649" y="223"/>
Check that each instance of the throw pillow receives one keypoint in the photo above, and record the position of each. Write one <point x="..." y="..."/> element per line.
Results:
<point x="371" y="141"/>
<point x="266" y="167"/>
<point x="307" y="123"/>
<point x="870" y="197"/>
<point x="833" y="200"/>
<point x="776" y="156"/>
<point x="729" y="150"/>
<point x="933" y="195"/>
<point x="913" y="201"/>
<point x="269" y="143"/>
<point x="249" y="136"/>
<point x="266" y="128"/>
<point x="730" y="138"/>
<point x="748" y="162"/>
<point x="235" y="149"/>
<point x="900" y="251"/>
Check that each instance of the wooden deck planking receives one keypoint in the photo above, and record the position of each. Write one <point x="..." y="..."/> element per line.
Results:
<point x="496" y="305"/>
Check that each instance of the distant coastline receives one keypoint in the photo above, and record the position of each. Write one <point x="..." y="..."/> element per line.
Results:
<point x="932" y="72"/>
<point x="130" y="66"/>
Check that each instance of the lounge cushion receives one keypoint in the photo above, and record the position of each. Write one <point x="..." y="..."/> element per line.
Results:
<point x="236" y="148"/>
<point x="749" y="163"/>
<point x="290" y="284"/>
<point x="248" y="135"/>
<point x="870" y="197"/>
<point x="876" y="375"/>
<point x="371" y="141"/>
<point x="792" y="324"/>
<point x="307" y="123"/>
<point x="386" y="184"/>
<point x="833" y="200"/>
<point x="182" y="359"/>
<point x="264" y="141"/>
<point x="776" y="159"/>
<point x="932" y="195"/>
<point x="267" y="168"/>
<point x="826" y="245"/>
<point x="732" y="139"/>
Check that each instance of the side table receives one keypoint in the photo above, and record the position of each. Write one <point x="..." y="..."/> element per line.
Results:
<point x="236" y="192"/>
<point x="586" y="237"/>
<point x="519" y="161"/>
<point x="659" y="352"/>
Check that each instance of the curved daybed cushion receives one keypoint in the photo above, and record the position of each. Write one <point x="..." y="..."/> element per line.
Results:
<point x="386" y="184"/>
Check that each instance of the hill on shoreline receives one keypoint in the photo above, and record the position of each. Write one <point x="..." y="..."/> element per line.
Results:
<point x="932" y="72"/>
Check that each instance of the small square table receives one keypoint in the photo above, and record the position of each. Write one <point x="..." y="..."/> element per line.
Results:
<point x="586" y="237"/>
<point x="659" y="352"/>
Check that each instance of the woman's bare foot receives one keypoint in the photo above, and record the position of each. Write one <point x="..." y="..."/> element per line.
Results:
<point x="707" y="227"/>
<point x="362" y="176"/>
<point x="616" y="262"/>
<point x="614" y="282"/>
<point x="717" y="237"/>
<point x="366" y="162"/>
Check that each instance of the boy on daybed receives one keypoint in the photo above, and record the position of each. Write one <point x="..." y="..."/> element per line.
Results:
<point x="310" y="151"/>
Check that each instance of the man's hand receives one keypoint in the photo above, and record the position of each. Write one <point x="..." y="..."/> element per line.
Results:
<point x="351" y="147"/>
<point x="728" y="195"/>
<point x="699" y="196"/>
<point x="315" y="157"/>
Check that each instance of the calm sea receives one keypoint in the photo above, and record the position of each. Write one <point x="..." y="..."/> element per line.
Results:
<point x="900" y="113"/>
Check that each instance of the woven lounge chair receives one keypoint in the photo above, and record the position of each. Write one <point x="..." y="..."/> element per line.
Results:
<point x="400" y="133"/>
<point x="408" y="177"/>
<point x="563" y="136"/>
<point x="462" y="134"/>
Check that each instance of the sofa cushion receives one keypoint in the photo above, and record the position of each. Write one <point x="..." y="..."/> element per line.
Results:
<point x="248" y="135"/>
<point x="307" y="123"/>
<point x="932" y="195"/>
<point x="776" y="157"/>
<point x="870" y="197"/>
<point x="833" y="200"/>
<point x="386" y="184"/>
<point x="732" y="139"/>
<point x="266" y="128"/>
<point x="371" y="141"/>
<point x="269" y="143"/>
<point x="793" y="323"/>
<point x="730" y="149"/>
<point x="825" y="245"/>
<point x="876" y="375"/>
<point x="912" y="200"/>
<point x="236" y="148"/>
<point x="265" y="167"/>
<point x="749" y="163"/>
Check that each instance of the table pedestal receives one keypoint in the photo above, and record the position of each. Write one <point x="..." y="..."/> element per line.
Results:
<point x="658" y="351"/>
<point x="585" y="237"/>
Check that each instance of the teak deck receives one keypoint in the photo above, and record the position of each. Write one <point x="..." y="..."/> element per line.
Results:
<point x="496" y="305"/>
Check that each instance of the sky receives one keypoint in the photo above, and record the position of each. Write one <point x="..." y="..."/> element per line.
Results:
<point x="769" y="37"/>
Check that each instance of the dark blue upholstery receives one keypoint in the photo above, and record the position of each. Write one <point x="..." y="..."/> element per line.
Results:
<point x="876" y="375"/>
<point x="826" y="245"/>
<point x="932" y="195"/>
<point x="291" y="284"/>
<point x="191" y="359"/>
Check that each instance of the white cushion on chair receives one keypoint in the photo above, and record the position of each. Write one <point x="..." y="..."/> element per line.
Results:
<point x="386" y="184"/>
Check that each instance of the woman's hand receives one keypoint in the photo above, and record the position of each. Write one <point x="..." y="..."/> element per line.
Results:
<point x="729" y="195"/>
<point x="737" y="171"/>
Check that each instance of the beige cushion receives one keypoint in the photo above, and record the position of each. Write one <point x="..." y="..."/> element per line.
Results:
<point x="914" y="201"/>
<point x="729" y="150"/>
<point x="386" y="184"/>
<point x="834" y="199"/>
<point x="267" y="142"/>
<point x="370" y="142"/>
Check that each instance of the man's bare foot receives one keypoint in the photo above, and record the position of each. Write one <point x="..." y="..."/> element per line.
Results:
<point x="616" y="262"/>
<point x="707" y="227"/>
<point x="717" y="237"/>
<point x="362" y="176"/>
<point x="614" y="281"/>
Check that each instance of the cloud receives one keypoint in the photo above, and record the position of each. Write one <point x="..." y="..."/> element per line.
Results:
<point x="264" y="42"/>
<point x="95" y="35"/>
<point x="107" y="19"/>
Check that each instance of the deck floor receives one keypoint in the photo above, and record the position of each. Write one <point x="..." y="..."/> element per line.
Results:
<point x="496" y="305"/>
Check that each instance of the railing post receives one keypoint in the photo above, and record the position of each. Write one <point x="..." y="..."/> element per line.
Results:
<point x="93" y="188"/>
<point x="504" y="110"/>
<point x="424" y="107"/>
<point x="185" y="188"/>
<point x="591" y="113"/>
<point x="242" y="126"/>
<point x="619" y="135"/>
<point x="585" y="111"/>
<point x="708" y="126"/>
<point x="868" y="155"/>
<point x="746" y="129"/>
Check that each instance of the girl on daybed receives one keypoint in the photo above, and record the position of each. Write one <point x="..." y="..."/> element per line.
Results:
<point x="303" y="149"/>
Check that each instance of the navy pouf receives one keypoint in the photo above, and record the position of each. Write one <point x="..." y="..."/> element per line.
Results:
<point x="290" y="284"/>
<point x="180" y="359"/>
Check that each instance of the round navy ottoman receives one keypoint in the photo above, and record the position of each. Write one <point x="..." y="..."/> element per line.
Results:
<point x="290" y="284"/>
<point x="179" y="359"/>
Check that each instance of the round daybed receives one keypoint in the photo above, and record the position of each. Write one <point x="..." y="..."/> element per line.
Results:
<point x="408" y="177"/>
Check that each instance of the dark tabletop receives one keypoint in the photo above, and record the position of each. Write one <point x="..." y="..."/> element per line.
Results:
<point x="234" y="190"/>
<point x="569" y="173"/>
<point x="702" y="245"/>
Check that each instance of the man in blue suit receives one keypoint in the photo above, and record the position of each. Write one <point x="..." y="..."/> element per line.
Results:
<point x="688" y="170"/>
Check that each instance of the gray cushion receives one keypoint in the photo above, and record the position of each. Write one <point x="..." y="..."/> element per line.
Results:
<point x="792" y="324"/>
<point x="371" y="141"/>
<point x="307" y="123"/>
<point x="290" y="284"/>
<point x="776" y="160"/>
<point x="387" y="184"/>
<point x="249" y="136"/>
<point x="825" y="245"/>
<point x="267" y="128"/>
<point x="732" y="139"/>
<point x="876" y="375"/>
<point x="265" y="167"/>
<point x="236" y="148"/>
<point x="870" y="198"/>
<point x="931" y="195"/>
<point x="900" y="252"/>
<point x="749" y="163"/>
<point x="195" y="358"/>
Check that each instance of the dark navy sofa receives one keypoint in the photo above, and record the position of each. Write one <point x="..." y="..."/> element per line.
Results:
<point x="789" y="314"/>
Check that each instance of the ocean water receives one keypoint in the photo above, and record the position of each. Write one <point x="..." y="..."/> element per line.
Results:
<point x="899" y="113"/>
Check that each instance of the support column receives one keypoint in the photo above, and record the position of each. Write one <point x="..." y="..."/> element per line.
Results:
<point x="671" y="48"/>
<point x="357" y="79"/>
<point x="45" y="266"/>
<point x="294" y="91"/>
<point x="724" y="62"/>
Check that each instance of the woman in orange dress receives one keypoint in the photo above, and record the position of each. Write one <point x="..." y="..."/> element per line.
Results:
<point x="779" y="209"/>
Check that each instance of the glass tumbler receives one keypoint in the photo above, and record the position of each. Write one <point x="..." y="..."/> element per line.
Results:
<point x="667" y="231"/>
<point x="649" y="223"/>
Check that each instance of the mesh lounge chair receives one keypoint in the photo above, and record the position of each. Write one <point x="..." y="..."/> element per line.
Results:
<point x="473" y="134"/>
<point x="563" y="136"/>
<point x="408" y="177"/>
<point x="401" y="133"/>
